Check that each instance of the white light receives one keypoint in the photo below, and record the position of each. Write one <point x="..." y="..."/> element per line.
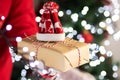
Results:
<point x="93" y="46"/>
<point x="108" y="20"/>
<point x="70" y="35"/>
<point x="115" y="3"/>
<point x="74" y="32"/>
<point x="32" y="54"/>
<point x="2" y="17"/>
<point x="23" y="78"/>
<point x="26" y="67"/>
<point x="106" y="42"/>
<point x="11" y="51"/>
<point x="83" y="22"/>
<point x="39" y="65"/>
<point x="115" y="18"/>
<point x="17" y="58"/>
<point x="109" y="54"/>
<point x="32" y="64"/>
<point x="18" y="39"/>
<point x="108" y="8"/>
<point x="115" y="68"/>
<point x="25" y="49"/>
<point x="102" y="24"/>
<point x="92" y="64"/>
<point x="41" y="11"/>
<point x="96" y="14"/>
<point x="110" y="29"/>
<point x="94" y="51"/>
<point x="90" y="56"/>
<point x="36" y="62"/>
<point x="116" y="11"/>
<point x="106" y="13"/>
<point x="60" y="13"/>
<point x="88" y="26"/>
<point x="115" y="75"/>
<point x="74" y="17"/>
<point x="102" y="50"/>
<point x="117" y="6"/>
<point x="93" y="54"/>
<point x="93" y="30"/>
<point x="37" y="19"/>
<point x="44" y="71"/>
<point x="103" y="73"/>
<point x="8" y="27"/>
<point x="81" y="40"/>
<point x="13" y="59"/>
<point x="85" y="10"/>
<point x="102" y="59"/>
<point x="70" y="29"/>
<point x="101" y="10"/>
<point x="68" y="12"/>
<point x="65" y="30"/>
<point x="23" y="73"/>
<point x="99" y="31"/>
<point x="116" y="36"/>
<point x="52" y="71"/>
<point x="97" y="62"/>
<point x="79" y="36"/>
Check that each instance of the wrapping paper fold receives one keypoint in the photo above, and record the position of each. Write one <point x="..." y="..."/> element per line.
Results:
<point x="62" y="55"/>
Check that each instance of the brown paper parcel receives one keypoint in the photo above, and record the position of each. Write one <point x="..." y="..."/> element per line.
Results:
<point x="62" y="55"/>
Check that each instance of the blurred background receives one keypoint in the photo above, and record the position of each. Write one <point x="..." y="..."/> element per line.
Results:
<point x="95" y="22"/>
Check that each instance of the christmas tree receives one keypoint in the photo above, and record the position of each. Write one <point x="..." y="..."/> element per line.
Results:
<point x="90" y="22"/>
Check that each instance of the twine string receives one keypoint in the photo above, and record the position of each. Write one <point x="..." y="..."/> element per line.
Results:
<point x="37" y="44"/>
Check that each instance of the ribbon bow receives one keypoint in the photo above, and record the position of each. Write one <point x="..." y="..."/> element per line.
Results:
<point x="50" y="22"/>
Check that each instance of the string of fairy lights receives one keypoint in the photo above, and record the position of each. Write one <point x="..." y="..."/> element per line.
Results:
<point x="112" y="11"/>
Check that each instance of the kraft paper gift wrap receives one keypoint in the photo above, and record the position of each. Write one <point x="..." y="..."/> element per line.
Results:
<point x="62" y="55"/>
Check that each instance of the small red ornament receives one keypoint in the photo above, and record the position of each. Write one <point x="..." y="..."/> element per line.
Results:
<point x="87" y="36"/>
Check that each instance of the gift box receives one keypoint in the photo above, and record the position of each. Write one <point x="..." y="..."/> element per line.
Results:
<point x="60" y="55"/>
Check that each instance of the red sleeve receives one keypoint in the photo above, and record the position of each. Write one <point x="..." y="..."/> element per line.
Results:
<point x="20" y="14"/>
<point x="22" y="18"/>
<point x="4" y="10"/>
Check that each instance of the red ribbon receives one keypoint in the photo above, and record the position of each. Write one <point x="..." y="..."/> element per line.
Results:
<point x="47" y="76"/>
<point x="50" y="22"/>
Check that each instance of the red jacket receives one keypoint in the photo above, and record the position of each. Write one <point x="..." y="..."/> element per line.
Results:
<point x="20" y="14"/>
